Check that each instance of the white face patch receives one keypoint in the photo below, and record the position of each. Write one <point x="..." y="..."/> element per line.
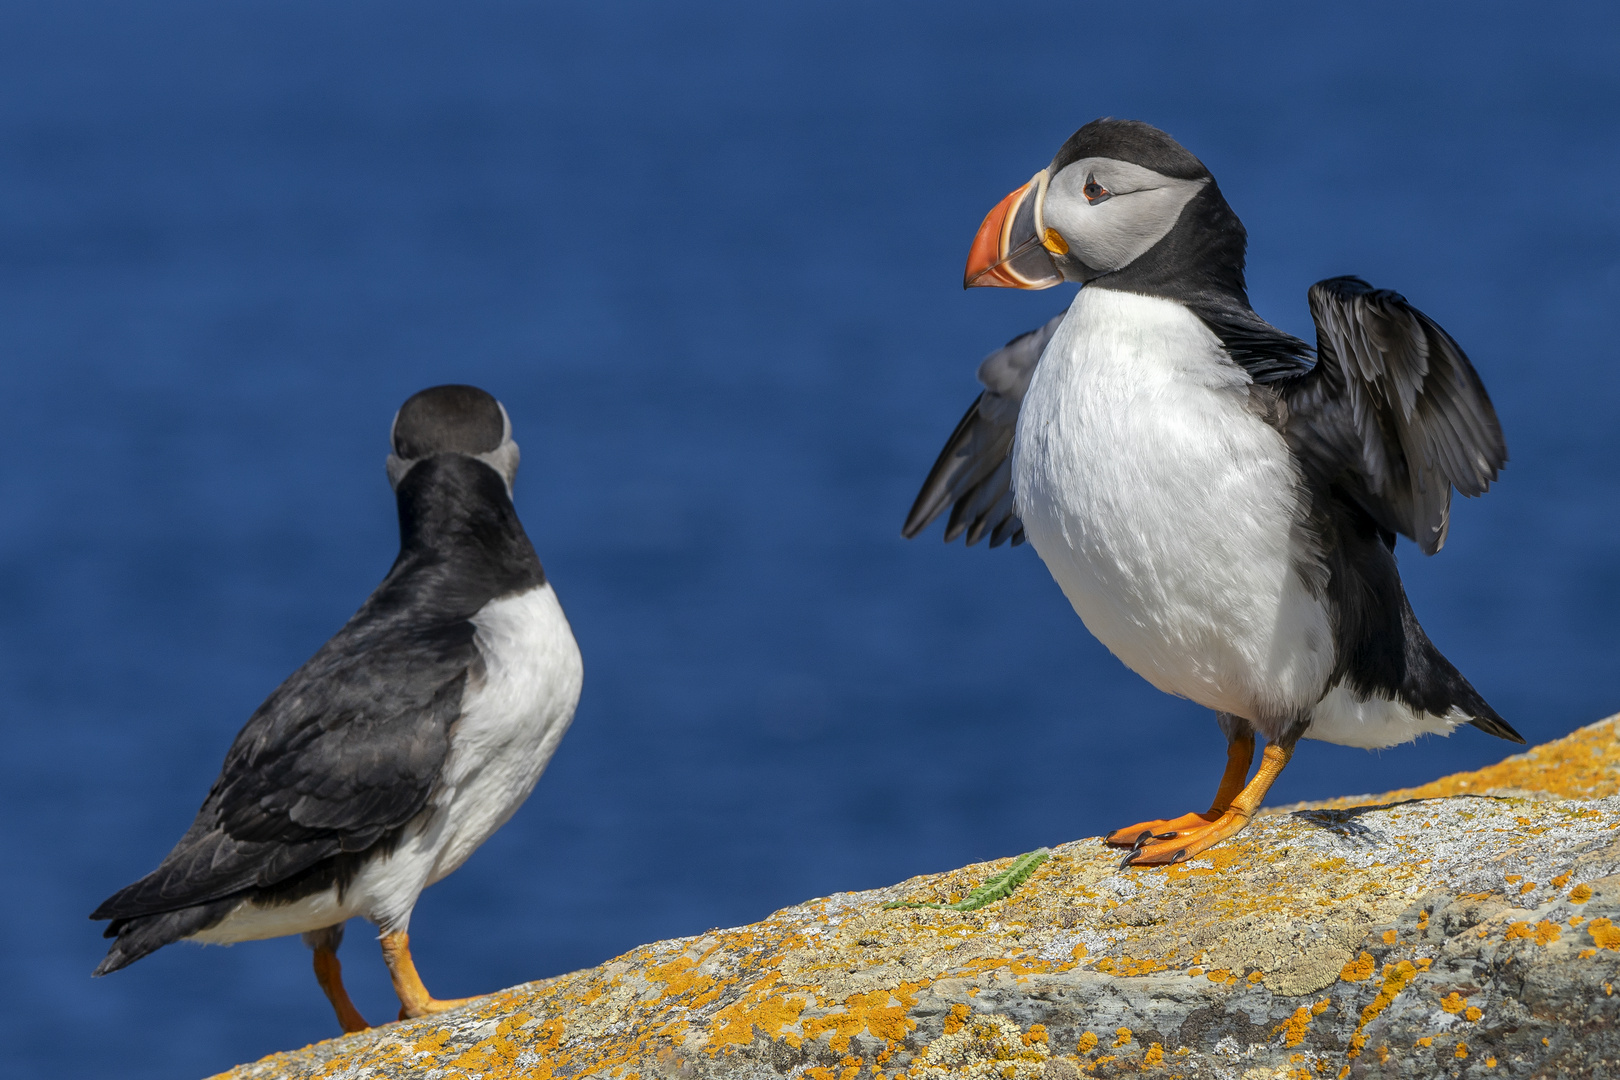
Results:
<point x="1140" y="206"/>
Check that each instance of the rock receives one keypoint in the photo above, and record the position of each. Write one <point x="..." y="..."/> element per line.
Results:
<point x="1467" y="928"/>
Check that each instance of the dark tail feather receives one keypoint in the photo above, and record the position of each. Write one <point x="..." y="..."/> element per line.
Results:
<point x="148" y="933"/>
<point x="1495" y="725"/>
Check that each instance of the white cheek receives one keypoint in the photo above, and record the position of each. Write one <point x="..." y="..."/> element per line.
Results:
<point x="1116" y="231"/>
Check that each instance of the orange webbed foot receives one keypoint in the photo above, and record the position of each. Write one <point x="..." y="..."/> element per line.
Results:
<point x="1161" y="850"/>
<point x="1131" y="835"/>
<point x="1157" y="849"/>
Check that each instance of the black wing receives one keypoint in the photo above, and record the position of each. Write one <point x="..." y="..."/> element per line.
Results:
<point x="341" y="755"/>
<point x="1393" y="414"/>
<point x="973" y="474"/>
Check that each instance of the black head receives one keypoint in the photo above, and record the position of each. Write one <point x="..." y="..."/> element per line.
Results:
<point x="452" y="420"/>
<point x="1122" y="205"/>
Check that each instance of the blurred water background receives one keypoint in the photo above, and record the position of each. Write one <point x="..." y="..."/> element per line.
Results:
<point x="709" y="255"/>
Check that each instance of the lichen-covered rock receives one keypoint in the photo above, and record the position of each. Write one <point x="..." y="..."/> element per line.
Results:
<point x="1460" y="931"/>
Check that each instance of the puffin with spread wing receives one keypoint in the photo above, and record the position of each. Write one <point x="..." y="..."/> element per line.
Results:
<point x="1219" y="505"/>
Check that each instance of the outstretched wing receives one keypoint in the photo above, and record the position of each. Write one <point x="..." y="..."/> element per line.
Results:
<point x="339" y="757"/>
<point x="1393" y="414"/>
<point x="973" y="474"/>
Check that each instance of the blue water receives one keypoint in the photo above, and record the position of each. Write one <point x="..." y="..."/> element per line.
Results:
<point x="710" y="258"/>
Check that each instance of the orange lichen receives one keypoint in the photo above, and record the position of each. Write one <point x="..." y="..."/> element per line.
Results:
<point x="1580" y="894"/>
<point x="1605" y="935"/>
<point x="1154" y="1056"/>
<point x="1293" y="1029"/>
<point x="1453" y="1002"/>
<point x="1122" y="1036"/>
<point x="1088" y="1042"/>
<point x="1427" y="1040"/>
<point x="1127" y="965"/>
<point x="736" y="1023"/>
<point x="870" y="1013"/>
<point x="1472" y="1014"/>
<point x="1360" y="969"/>
<point x="1581" y="765"/>
<point x="1561" y="880"/>
<point x="1389" y="937"/>
<point x="957" y="1017"/>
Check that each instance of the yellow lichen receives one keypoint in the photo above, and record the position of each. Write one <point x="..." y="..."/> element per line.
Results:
<point x="1427" y="1040"/>
<point x="1122" y="1037"/>
<point x="1389" y="937"/>
<point x="1580" y="894"/>
<point x="1605" y="935"/>
<point x="1360" y="969"/>
<point x="1462" y="1051"/>
<point x="1472" y="1014"/>
<point x="1453" y="1002"/>
<point x="1088" y="1042"/>
<point x="1154" y="1056"/>
<point x="1293" y="1029"/>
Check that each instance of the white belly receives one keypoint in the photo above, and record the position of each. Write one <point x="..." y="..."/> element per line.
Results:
<point x="1167" y="510"/>
<point x="511" y="721"/>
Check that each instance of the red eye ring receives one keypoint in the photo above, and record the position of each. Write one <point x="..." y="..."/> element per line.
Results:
<point x="1094" y="192"/>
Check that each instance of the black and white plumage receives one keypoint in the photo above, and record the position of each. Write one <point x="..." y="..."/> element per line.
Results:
<point x="1218" y="502"/>
<point x="413" y="734"/>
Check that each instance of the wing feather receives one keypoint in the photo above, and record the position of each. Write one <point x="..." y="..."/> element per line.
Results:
<point x="973" y="474"/>
<point x="1393" y="412"/>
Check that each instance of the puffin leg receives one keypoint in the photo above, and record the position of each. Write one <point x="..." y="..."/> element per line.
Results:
<point x="329" y="973"/>
<point x="1186" y="845"/>
<point x="414" y="1000"/>
<point x="1239" y="756"/>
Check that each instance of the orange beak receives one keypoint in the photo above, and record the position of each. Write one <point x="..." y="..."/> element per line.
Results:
<point x="1012" y="249"/>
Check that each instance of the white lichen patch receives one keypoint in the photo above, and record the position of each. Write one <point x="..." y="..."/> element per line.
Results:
<point x="986" y="1047"/>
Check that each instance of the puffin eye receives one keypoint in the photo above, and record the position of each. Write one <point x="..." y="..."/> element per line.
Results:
<point x="1095" y="192"/>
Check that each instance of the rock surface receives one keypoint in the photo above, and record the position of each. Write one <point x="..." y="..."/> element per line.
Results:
<point x="1466" y="928"/>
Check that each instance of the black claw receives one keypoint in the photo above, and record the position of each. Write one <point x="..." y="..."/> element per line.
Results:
<point x="1178" y="856"/>
<point x="1125" y="863"/>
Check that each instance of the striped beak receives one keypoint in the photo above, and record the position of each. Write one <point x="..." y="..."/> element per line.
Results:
<point x="1014" y="248"/>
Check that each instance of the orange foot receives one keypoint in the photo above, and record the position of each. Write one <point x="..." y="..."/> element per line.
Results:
<point x="1178" y="846"/>
<point x="414" y="1000"/>
<point x="1156" y="843"/>
<point x="1132" y="835"/>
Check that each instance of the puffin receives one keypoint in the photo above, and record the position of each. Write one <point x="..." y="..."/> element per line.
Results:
<point x="383" y="762"/>
<point x="1217" y="500"/>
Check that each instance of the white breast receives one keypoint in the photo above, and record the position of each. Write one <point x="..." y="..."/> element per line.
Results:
<point x="1166" y="509"/>
<point x="511" y="720"/>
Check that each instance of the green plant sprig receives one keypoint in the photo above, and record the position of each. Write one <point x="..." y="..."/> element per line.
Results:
<point x="996" y="887"/>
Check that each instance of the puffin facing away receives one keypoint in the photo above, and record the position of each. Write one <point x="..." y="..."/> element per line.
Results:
<point x="399" y="747"/>
<point x="1219" y="508"/>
